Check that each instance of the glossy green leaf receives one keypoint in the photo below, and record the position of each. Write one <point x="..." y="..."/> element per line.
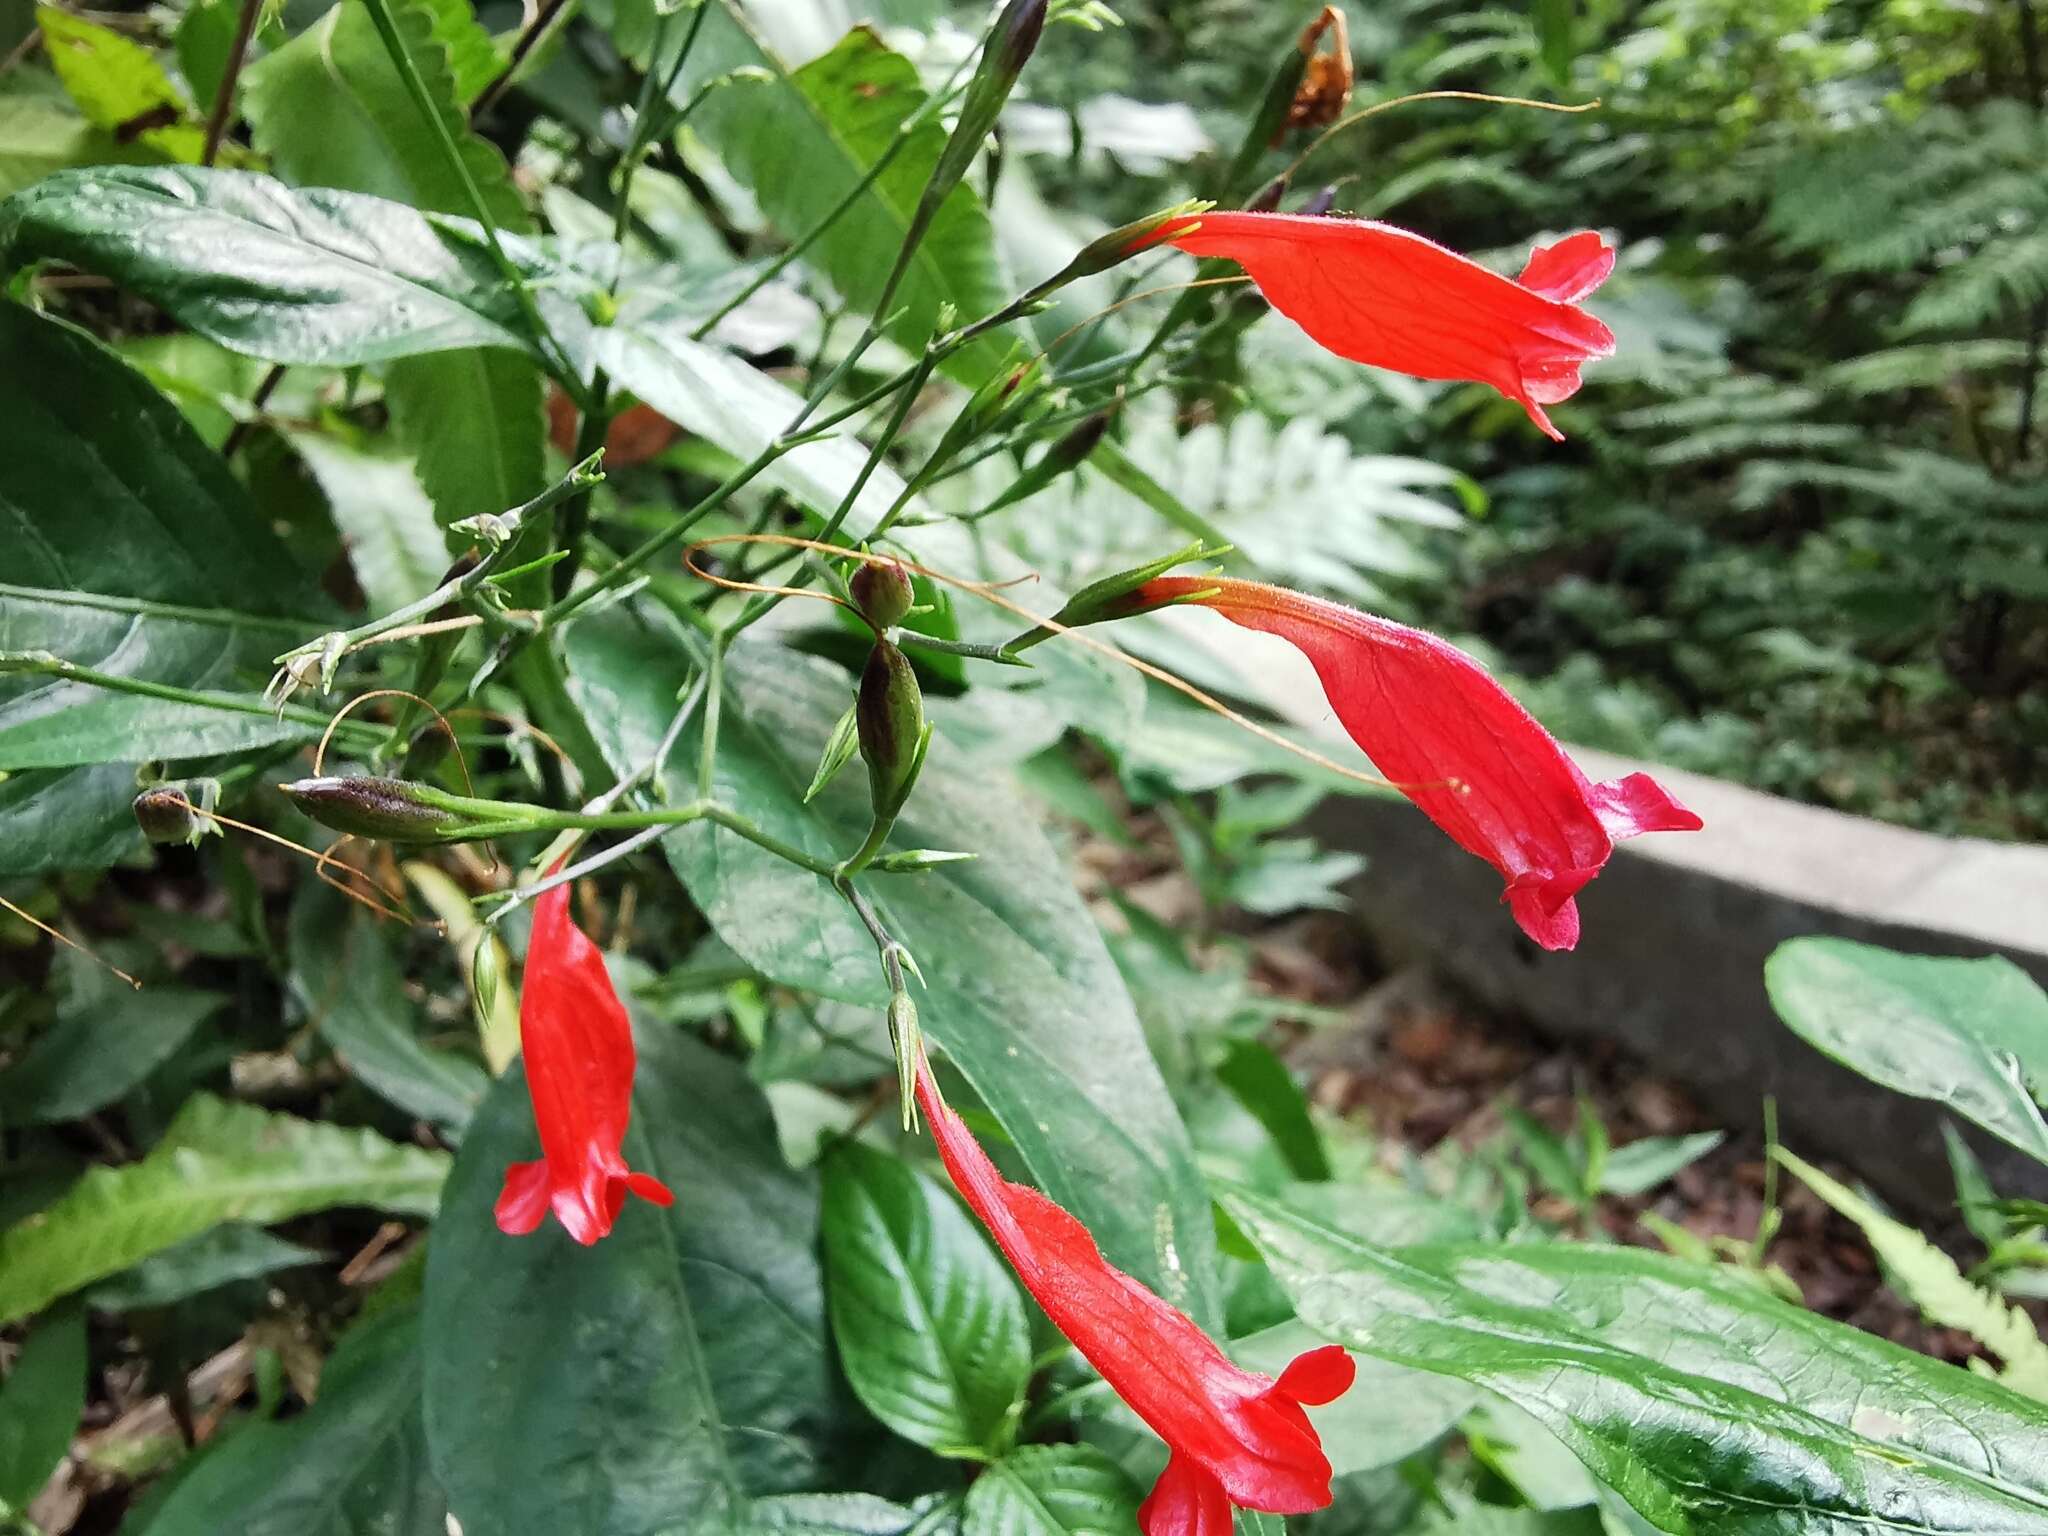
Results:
<point x="801" y="141"/>
<point x="41" y="1402"/>
<point x="353" y="1464"/>
<point x="832" y="1514"/>
<point x="292" y="277"/>
<point x="133" y="551"/>
<point x="1971" y="1034"/>
<point x="473" y="422"/>
<point x="651" y="1382"/>
<point x="235" y="1251"/>
<point x="218" y="1162"/>
<point x="1052" y="1490"/>
<point x="1021" y="993"/>
<point x="930" y="1325"/>
<point x="1715" y="1410"/>
<point x="352" y="988"/>
<point x="96" y="1052"/>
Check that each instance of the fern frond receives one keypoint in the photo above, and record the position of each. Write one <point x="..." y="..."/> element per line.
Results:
<point x="1923" y="365"/>
<point x="1743" y="439"/>
<point x="1998" y="281"/>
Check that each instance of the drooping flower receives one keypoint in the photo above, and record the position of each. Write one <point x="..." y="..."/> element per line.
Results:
<point x="1457" y="744"/>
<point x="1384" y="296"/>
<point x="1236" y="1438"/>
<point x="578" y="1045"/>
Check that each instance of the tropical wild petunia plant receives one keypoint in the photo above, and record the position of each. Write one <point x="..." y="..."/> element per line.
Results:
<point x="468" y="495"/>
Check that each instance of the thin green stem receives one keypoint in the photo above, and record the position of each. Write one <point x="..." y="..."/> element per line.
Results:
<point x="423" y="102"/>
<point x="714" y="700"/>
<point x="49" y="665"/>
<point x="905" y="132"/>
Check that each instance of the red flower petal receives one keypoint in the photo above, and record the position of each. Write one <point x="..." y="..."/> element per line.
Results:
<point x="578" y="1046"/>
<point x="1457" y="744"/>
<point x="1381" y="295"/>
<point x="1237" y="1437"/>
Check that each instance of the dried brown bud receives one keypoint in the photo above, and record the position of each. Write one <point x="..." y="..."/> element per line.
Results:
<point x="1325" y="89"/>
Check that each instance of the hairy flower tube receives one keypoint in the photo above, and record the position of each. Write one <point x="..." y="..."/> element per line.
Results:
<point x="578" y="1045"/>
<point x="1236" y="1438"/>
<point x="1389" y="298"/>
<point x="1457" y="744"/>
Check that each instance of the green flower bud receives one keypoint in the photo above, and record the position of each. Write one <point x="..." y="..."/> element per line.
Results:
<point x="1113" y="596"/>
<point x="893" y="731"/>
<point x="178" y="812"/>
<point x="399" y="811"/>
<point x="882" y="592"/>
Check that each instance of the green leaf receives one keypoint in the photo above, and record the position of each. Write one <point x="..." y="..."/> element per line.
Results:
<point x="1714" y="1409"/>
<point x="38" y="137"/>
<point x="40" y="1405"/>
<point x="1971" y="1034"/>
<point x="653" y="1381"/>
<point x="800" y="143"/>
<point x="1260" y="1082"/>
<point x="1555" y="41"/>
<point x="218" y="1162"/>
<point x="832" y="1514"/>
<point x="228" y="1253"/>
<point x="353" y="1464"/>
<point x="290" y="277"/>
<point x="126" y="545"/>
<point x="119" y="85"/>
<point x="95" y="1053"/>
<point x="1052" y="1490"/>
<point x="473" y="422"/>
<point x="353" y="989"/>
<point x="385" y="520"/>
<point x="1648" y="1161"/>
<point x="930" y="1325"/>
<point x="1930" y="1280"/>
<point x="1021" y="992"/>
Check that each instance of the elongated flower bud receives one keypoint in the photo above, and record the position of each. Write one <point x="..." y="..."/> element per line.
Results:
<point x="882" y="592"/>
<point x="893" y="731"/>
<point x="399" y="811"/>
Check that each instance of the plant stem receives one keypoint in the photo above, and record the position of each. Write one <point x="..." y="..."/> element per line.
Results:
<point x="50" y="665"/>
<point x="224" y="94"/>
<point x="543" y="20"/>
<point x="239" y="433"/>
<point x="905" y="132"/>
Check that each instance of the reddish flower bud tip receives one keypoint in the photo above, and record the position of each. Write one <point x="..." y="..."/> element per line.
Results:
<point x="1236" y="1437"/>
<point x="578" y="1045"/>
<point x="1457" y="744"/>
<point x="882" y="592"/>
<point x="1391" y="299"/>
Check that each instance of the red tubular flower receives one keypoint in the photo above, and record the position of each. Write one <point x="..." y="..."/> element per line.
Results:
<point x="578" y="1046"/>
<point x="1236" y="1437"/>
<point x="1457" y="744"/>
<point x="1383" y="296"/>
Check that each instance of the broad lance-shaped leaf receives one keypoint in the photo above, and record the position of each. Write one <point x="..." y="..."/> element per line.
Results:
<point x="801" y="141"/>
<point x="131" y="549"/>
<point x="291" y="277"/>
<point x="929" y="1322"/>
<point x="1715" y="1410"/>
<point x="1971" y="1034"/>
<point x="1021" y="992"/>
<point x="40" y="1405"/>
<point x="95" y="1053"/>
<point x="353" y="990"/>
<point x="219" y="1161"/>
<point x="652" y="1382"/>
<point x="354" y="1462"/>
